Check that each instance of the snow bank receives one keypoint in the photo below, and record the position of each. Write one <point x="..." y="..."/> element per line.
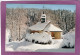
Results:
<point x="40" y="37"/>
<point x="57" y="43"/>
<point x="26" y="46"/>
<point x="69" y="40"/>
<point x="9" y="48"/>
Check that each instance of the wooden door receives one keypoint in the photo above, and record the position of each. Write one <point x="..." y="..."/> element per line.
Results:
<point x="52" y="34"/>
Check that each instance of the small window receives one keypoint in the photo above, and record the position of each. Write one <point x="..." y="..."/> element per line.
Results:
<point x="43" y="16"/>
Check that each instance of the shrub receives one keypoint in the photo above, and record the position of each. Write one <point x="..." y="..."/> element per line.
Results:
<point x="33" y="40"/>
<point x="36" y="42"/>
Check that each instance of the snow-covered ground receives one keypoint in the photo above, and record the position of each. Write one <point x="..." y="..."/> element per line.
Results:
<point x="55" y="46"/>
<point x="28" y="46"/>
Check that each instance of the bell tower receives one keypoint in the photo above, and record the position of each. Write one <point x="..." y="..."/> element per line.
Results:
<point x="43" y="16"/>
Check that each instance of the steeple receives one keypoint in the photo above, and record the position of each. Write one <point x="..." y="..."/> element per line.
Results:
<point x="43" y="12"/>
<point x="43" y="9"/>
<point x="43" y="16"/>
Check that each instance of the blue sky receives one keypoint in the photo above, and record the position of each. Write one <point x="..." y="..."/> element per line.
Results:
<point x="40" y="6"/>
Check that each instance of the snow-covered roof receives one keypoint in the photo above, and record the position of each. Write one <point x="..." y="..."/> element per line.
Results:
<point x="51" y="27"/>
<point x="47" y="26"/>
<point x="39" y="26"/>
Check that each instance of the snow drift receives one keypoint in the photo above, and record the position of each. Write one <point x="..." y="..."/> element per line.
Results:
<point x="24" y="46"/>
<point x="39" y="37"/>
<point x="56" y="45"/>
<point x="69" y="40"/>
